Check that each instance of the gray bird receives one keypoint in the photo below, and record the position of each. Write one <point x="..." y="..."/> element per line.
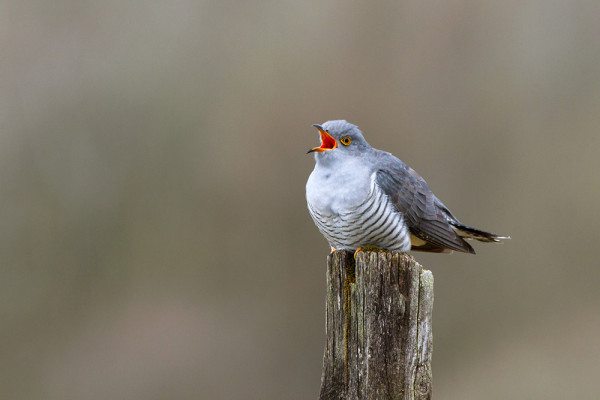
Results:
<point x="359" y="196"/>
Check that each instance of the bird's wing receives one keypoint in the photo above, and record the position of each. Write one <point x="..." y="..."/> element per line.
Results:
<point x="427" y="218"/>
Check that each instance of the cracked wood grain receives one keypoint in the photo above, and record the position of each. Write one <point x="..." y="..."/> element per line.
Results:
<point x="378" y="326"/>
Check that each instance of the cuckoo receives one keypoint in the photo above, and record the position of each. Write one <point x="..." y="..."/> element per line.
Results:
<point x="359" y="196"/>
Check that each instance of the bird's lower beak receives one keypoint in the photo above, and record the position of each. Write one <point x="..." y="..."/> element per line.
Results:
<point x="327" y="141"/>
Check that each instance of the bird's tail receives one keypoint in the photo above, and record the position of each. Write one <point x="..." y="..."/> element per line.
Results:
<point x="467" y="232"/>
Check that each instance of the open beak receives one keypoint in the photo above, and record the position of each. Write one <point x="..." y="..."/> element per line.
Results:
<point x="327" y="142"/>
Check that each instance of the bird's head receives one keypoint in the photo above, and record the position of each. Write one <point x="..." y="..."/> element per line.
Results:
<point x="339" y="139"/>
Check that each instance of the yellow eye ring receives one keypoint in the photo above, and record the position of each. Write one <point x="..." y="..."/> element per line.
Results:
<point x="346" y="140"/>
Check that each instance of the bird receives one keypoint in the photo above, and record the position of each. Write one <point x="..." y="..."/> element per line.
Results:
<point x="361" y="197"/>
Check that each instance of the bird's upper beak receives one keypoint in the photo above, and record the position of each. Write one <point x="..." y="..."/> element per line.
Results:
<point x="327" y="141"/>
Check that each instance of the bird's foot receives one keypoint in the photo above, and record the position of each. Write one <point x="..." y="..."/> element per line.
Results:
<point x="366" y="248"/>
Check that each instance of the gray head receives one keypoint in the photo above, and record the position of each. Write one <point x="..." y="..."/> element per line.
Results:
<point x="339" y="139"/>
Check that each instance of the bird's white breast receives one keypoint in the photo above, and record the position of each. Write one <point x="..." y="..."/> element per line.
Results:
<point x="334" y="191"/>
<point x="351" y="211"/>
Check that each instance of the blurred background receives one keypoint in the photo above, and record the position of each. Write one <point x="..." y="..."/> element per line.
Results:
<point x="154" y="237"/>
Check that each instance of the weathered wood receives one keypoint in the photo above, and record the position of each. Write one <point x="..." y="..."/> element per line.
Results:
<point x="378" y="324"/>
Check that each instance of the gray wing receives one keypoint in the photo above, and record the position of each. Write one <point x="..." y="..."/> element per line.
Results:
<point x="427" y="218"/>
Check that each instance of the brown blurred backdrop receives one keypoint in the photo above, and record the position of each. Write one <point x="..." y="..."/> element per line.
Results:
<point x="154" y="237"/>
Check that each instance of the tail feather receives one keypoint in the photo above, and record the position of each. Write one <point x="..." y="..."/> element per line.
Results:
<point x="468" y="232"/>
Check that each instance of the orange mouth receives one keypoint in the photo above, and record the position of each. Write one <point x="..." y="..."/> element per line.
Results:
<point x="327" y="141"/>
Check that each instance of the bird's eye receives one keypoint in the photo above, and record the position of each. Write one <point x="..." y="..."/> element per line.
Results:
<point x="346" y="140"/>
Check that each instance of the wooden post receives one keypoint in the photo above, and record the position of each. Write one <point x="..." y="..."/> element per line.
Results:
<point x="378" y="324"/>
